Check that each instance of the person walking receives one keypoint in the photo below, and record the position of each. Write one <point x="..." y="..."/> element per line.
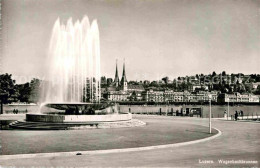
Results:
<point x="241" y="113"/>
<point x="225" y="114"/>
<point x="236" y="115"/>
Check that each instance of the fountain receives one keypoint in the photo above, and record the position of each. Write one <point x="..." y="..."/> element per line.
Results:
<point x="73" y="82"/>
<point x="74" y="63"/>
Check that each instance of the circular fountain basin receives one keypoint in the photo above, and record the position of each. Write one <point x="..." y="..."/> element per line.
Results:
<point x="78" y="118"/>
<point x="104" y="116"/>
<point x="67" y="122"/>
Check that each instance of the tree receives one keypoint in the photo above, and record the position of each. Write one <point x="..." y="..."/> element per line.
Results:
<point x="154" y="84"/>
<point x="239" y="87"/>
<point x="223" y="73"/>
<point x="7" y="88"/>
<point x="183" y="86"/>
<point x="133" y="96"/>
<point x="257" y="79"/>
<point x="257" y="90"/>
<point x="217" y="86"/>
<point x="165" y="79"/>
<point x="197" y="76"/>
<point x="103" y="81"/>
<point x="133" y="82"/>
<point x="248" y="88"/>
<point x="174" y="84"/>
<point x="24" y="92"/>
<point x="34" y="90"/>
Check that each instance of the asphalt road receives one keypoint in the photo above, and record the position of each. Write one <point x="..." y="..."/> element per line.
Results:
<point x="239" y="142"/>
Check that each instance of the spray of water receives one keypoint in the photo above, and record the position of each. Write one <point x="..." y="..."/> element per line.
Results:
<point x="73" y="63"/>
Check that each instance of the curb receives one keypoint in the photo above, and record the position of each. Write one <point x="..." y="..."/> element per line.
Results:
<point x="74" y="153"/>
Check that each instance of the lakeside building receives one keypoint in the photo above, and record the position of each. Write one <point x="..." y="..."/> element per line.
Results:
<point x="238" y="98"/>
<point x="203" y="96"/>
<point x="198" y="97"/>
<point x="153" y="96"/>
<point x="117" y="95"/>
<point x="171" y="96"/>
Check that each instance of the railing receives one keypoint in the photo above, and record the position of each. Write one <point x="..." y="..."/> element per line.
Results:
<point x="249" y="116"/>
<point x="165" y="113"/>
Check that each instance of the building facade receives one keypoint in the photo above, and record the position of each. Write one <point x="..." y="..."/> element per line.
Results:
<point x="238" y="98"/>
<point x="171" y="96"/>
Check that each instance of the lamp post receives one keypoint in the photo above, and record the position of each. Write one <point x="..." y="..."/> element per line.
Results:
<point x="1" y="108"/>
<point x="227" y="108"/>
<point x="210" y="97"/>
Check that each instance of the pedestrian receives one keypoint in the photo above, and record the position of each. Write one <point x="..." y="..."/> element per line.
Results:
<point x="236" y="115"/>
<point x="225" y="114"/>
<point x="241" y="113"/>
<point x="14" y="111"/>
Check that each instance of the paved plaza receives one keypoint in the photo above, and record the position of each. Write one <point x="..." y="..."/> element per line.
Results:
<point x="239" y="141"/>
<point x="158" y="131"/>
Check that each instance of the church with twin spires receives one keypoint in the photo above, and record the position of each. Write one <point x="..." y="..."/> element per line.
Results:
<point x="120" y="90"/>
<point x="120" y="84"/>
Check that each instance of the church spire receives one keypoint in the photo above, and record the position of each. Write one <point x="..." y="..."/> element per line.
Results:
<point x="123" y="80"/>
<point x="123" y="75"/>
<point x="116" y="76"/>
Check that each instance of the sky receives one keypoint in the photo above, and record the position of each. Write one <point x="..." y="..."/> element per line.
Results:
<point x="157" y="38"/>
